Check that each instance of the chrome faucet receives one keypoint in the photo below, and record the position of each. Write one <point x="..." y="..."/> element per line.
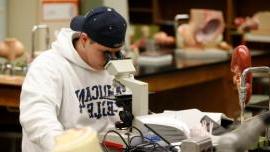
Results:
<point x="243" y="87"/>
<point x="178" y="20"/>
<point x="35" y="29"/>
<point x="7" y="68"/>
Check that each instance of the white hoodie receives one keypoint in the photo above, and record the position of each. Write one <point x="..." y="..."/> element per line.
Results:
<point x="61" y="91"/>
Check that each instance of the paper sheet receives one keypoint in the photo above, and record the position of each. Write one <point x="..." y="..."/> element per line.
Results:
<point x="180" y="119"/>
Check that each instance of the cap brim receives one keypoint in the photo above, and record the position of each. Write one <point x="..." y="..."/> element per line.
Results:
<point x="77" y="23"/>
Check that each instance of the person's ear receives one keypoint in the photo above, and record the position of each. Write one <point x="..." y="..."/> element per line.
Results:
<point x="84" y="39"/>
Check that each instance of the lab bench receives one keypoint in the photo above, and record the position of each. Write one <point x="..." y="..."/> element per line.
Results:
<point x="203" y="84"/>
<point x="10" y="88"/>
<point x="10" y="129"/>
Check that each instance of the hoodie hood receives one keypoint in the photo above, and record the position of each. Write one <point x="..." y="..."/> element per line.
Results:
<point x="64" y="46"/>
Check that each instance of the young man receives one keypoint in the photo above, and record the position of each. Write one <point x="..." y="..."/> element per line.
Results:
<point x="66" y="86"/>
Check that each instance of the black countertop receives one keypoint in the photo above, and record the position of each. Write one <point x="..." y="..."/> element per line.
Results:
<point x="180" y="63"/>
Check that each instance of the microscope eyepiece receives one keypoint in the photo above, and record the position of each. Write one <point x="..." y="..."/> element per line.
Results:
<point x="119" y="55"/>
<point x="108" y="56"/>
<point x="113" y="56"/>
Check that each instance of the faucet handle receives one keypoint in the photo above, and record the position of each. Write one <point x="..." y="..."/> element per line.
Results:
<point x="180" y="18"/>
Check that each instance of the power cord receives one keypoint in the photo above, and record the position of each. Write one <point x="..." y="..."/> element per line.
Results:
<point x="145" y="145"/>
<point x="113" y="131"/>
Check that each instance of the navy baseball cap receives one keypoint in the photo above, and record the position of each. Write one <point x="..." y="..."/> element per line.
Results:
<point x="103" y="25"/>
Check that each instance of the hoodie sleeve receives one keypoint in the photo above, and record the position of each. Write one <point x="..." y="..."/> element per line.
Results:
<point x="40" y="102"/>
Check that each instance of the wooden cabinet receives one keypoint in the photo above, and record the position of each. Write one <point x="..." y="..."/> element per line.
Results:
<point x="141" y="11"/>
<point x="250" y="7"/>
<point x="162" y="12"/>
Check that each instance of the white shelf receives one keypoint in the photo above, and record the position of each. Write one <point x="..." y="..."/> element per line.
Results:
<point x="210" y="53"/>
<point x="155" y="60"/>
<point x="257" y="38"/>
<point x="258" y="98"/>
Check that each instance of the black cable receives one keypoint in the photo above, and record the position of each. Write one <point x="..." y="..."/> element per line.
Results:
<point x="153" y="146"/>
<point x="162" y="147"/>
<point x="105" y="147"/>
<point x="130" y="141"/>
<point x="138" y="147"/>
<point x="143" y="145"/>
<point x="140" y="132"/>
<point x="113" y="131"/>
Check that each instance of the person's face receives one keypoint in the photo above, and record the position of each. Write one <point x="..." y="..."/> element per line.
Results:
<point x="94" y="54"/>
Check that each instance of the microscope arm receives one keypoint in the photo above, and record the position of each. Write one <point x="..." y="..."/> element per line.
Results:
<point x="139" y="95"/>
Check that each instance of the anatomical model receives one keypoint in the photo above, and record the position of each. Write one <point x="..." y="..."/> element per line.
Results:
<point x="205" y="29"/>
<point x="241" y="59"/>
<point x="11" y="49"/>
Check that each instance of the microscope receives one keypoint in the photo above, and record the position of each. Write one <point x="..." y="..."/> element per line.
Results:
<point x="134" y="103"/>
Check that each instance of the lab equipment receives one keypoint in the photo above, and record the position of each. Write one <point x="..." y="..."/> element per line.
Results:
<point x="240" y="60"/>
<point x="245" y="135"/>
<point x="212" y="126"/>
<point x="123" y="71"/>
<point x="198" y="144"/>
<point x="249" y="132"/>
<point x="243" y="85"/>
<point x="35" y="29"/>
<point x="170" y="135"/>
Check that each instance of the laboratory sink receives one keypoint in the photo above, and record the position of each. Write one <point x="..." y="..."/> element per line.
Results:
<point x="13" y="70"/>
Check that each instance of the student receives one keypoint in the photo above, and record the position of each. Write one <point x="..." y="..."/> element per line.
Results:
<point x="66" y="85"/>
